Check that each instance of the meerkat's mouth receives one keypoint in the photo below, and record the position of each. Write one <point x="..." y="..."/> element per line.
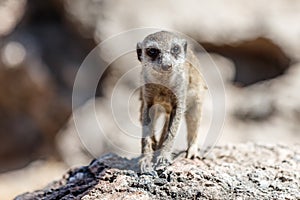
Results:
<point x="163" y="70"/>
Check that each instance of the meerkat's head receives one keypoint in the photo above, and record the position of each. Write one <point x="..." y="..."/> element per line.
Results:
<point x="162" y="51"/>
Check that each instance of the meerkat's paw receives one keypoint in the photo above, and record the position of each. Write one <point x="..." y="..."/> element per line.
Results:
<point x="192" y="152"/>
<point x="162" y="161"/>
<point x="146" y="165"/>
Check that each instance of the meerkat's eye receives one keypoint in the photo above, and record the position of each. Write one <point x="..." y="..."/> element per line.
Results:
<point x="175" y="50"/>
<point x="152" y="52"/>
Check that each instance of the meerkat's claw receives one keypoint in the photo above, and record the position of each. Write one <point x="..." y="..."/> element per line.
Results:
<point x="162" y="162"/>
<point x="192" y="152"/>
<point x="150" y="173"/>
<point x="146" y="165"/>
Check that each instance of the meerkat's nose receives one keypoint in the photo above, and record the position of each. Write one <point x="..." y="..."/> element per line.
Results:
<point x="166" y="67"/>
<point x="166" y="63"/>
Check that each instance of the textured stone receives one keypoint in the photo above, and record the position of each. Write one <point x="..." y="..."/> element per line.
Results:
<point x="245" y="171"/>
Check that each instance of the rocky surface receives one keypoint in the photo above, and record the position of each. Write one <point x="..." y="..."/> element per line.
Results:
<point x="245" y="171"/>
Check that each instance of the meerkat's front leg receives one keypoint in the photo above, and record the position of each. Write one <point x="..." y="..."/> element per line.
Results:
<point x="148" y="137"/>
<point x="193" y="118"/>
<point x="164" y="156"/>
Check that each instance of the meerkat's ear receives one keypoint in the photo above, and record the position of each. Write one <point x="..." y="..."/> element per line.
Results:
<point x="139" y="51"/>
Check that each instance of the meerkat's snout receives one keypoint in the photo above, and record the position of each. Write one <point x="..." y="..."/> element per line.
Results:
<point x="166" y="67"/>
<point x="166" y="62"/>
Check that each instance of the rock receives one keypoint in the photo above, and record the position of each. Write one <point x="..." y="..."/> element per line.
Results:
<point x="244" y="171"/>
<point x="11" y="12"/>
<point x="255" y="60"/>
<point x="204" y="21"/>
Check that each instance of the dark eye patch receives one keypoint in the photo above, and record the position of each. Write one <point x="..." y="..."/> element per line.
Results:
<point x="152" y="52"/>
<point x="175" y="50"/>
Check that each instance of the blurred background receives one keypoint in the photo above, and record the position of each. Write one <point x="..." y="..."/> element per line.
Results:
<point x="255" y="44"/>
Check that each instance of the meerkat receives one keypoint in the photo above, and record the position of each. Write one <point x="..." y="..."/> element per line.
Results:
<point x="170" y="81"/>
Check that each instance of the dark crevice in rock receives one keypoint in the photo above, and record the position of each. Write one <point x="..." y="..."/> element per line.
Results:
<point x="256" y="60"/>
